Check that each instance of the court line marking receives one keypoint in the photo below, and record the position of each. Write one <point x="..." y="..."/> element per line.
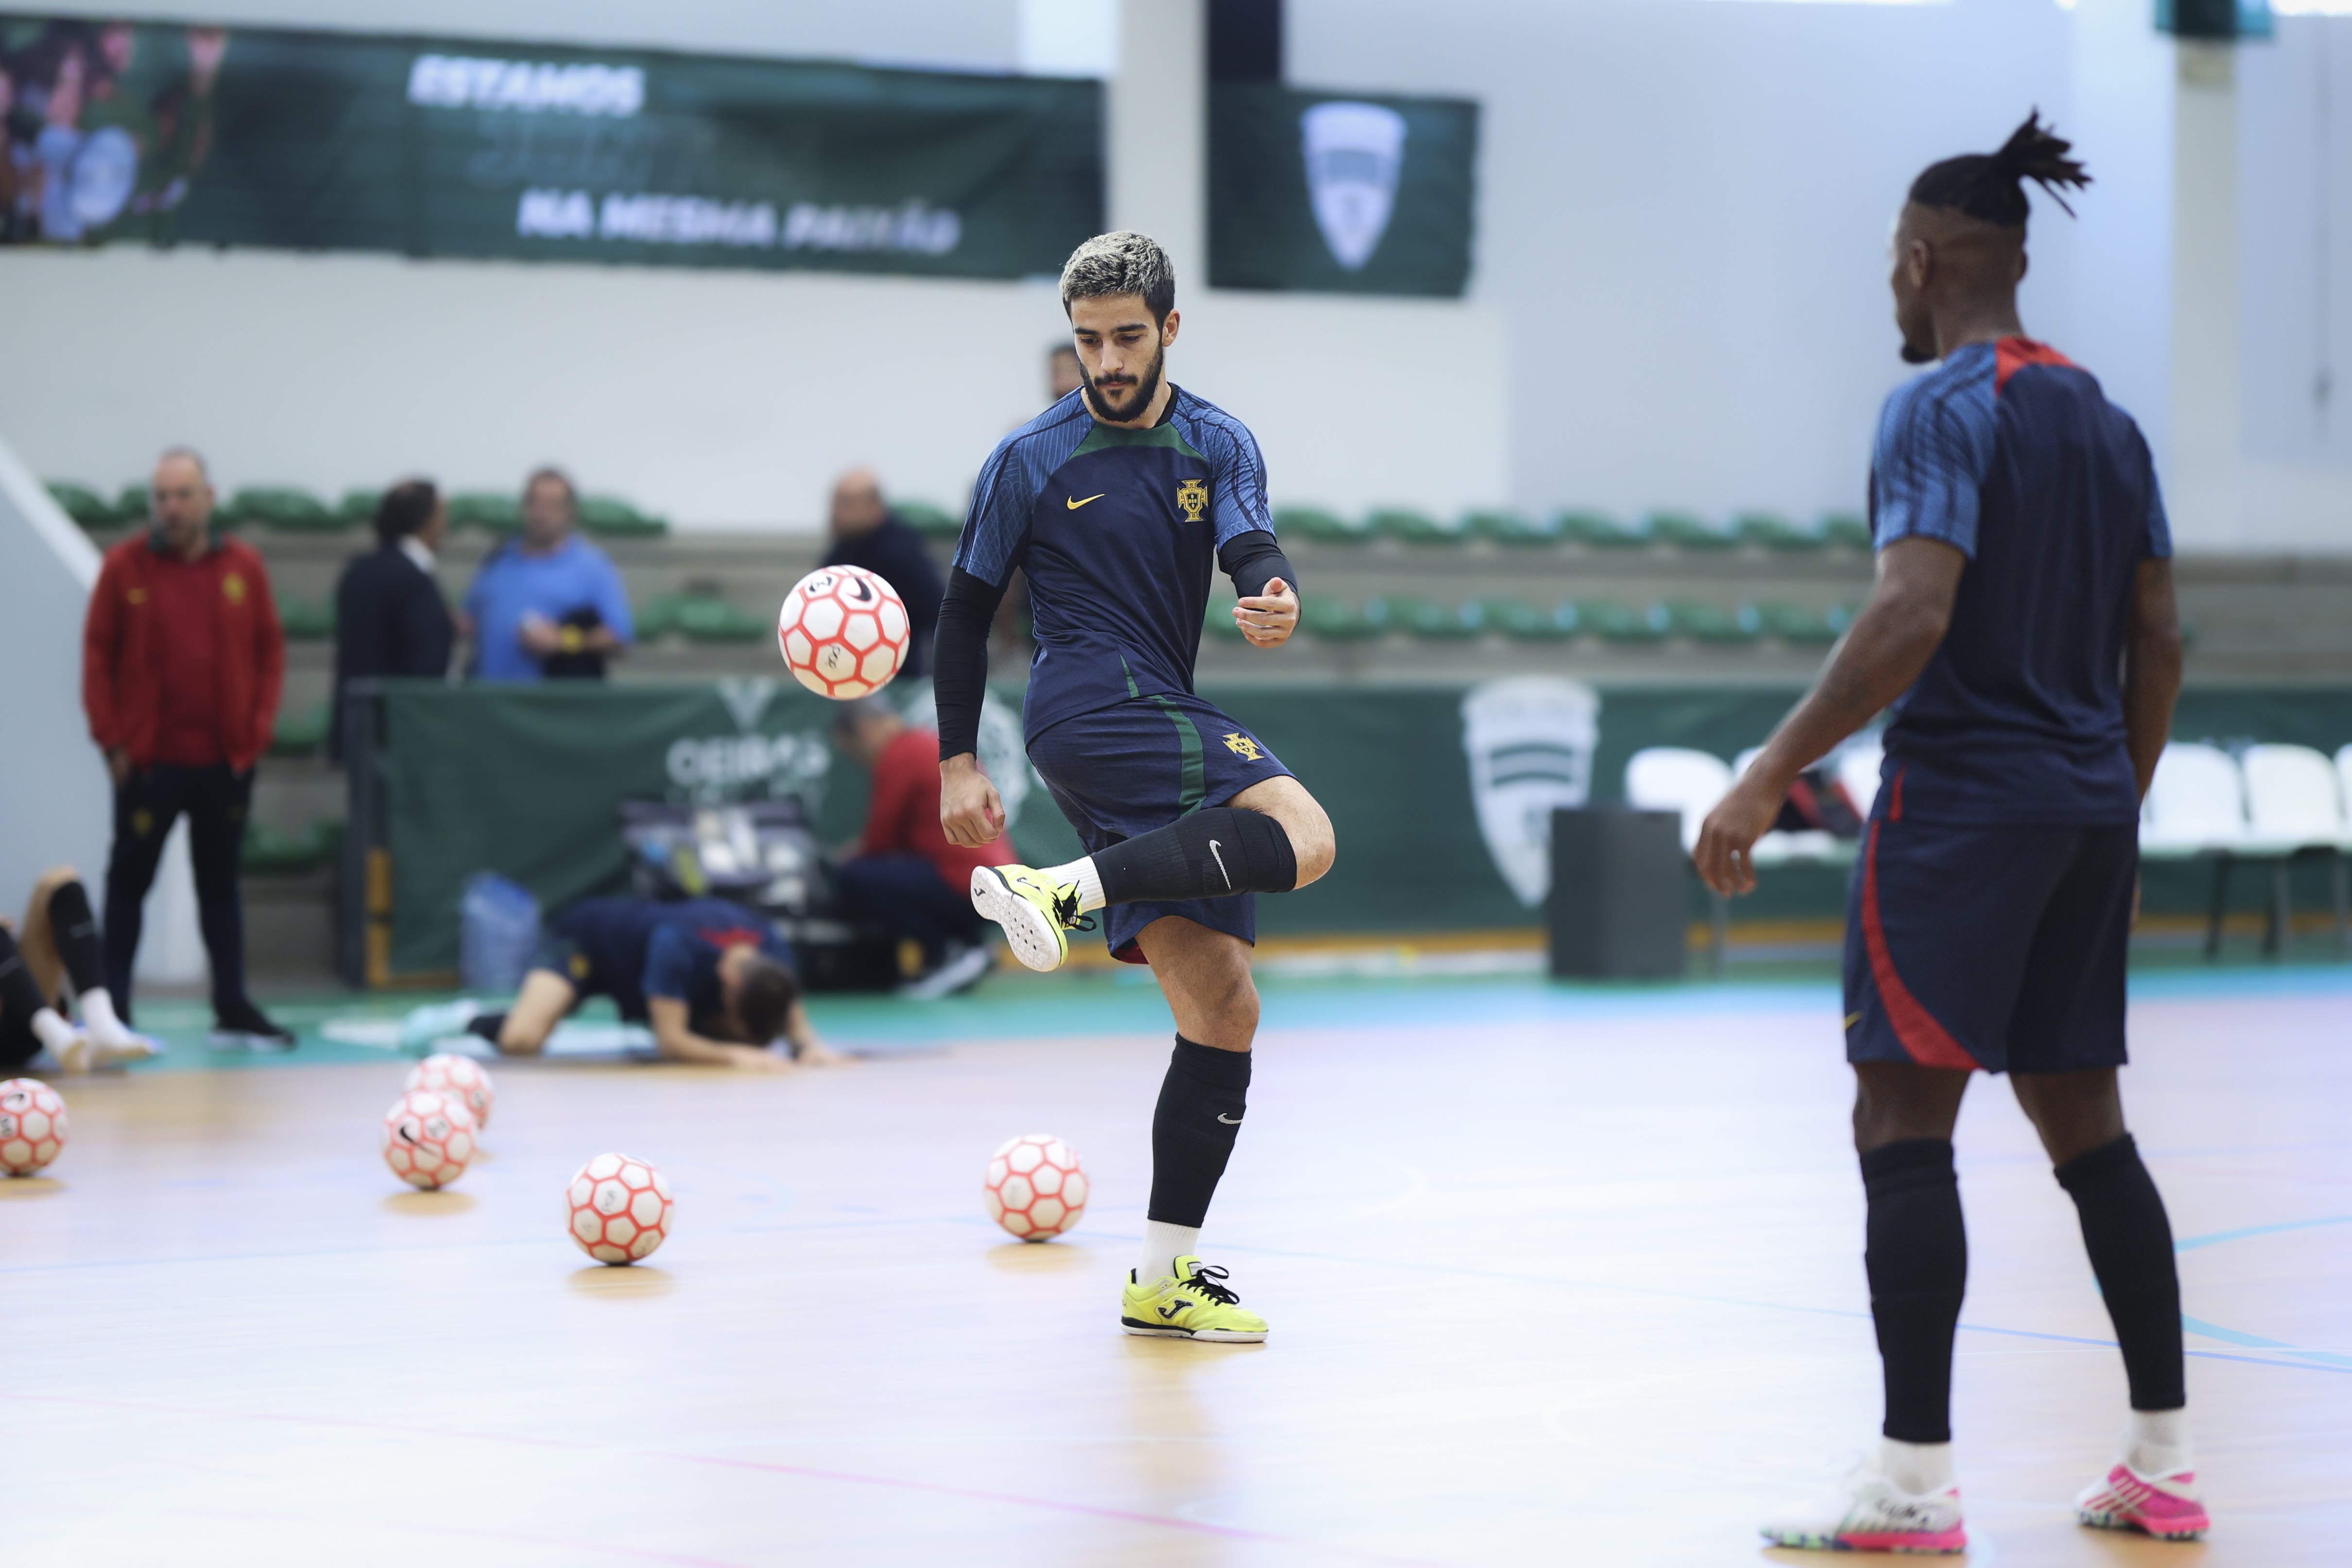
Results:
<point x="2219" y="1236"/>
<point x="602" y="1548"/>
<point x="895" y="1483"/>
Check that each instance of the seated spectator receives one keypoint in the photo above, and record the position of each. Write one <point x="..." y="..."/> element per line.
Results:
<point x="868" y="534"/>
<point x="58" y="946"/>
<point x="546" y="604"/>
<point x="712" y="980"/>
<point x="1063" y="375"/>
<point x="390" y="620"/>
<point x="903" y="874"/>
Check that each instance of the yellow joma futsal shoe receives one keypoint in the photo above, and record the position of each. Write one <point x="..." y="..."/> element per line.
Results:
<point x="1037" y="915"/>
<point x="1191" y="1304"/>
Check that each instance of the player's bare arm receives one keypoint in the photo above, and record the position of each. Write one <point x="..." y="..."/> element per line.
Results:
<point x="1890" y="642"/>
<point x="674" y="1037"/>
<point x="2151" y="667"/>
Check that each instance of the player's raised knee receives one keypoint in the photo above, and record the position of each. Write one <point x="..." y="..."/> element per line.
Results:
<point x="1311" y="838"/>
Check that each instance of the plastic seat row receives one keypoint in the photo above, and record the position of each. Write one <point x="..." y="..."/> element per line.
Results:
<point x="293" y="510"/>
<point x="273" y="852"/>
<point x="1343" y="620"/>
<point x="2271" y="804"/>
<point x="1594" y="530"/>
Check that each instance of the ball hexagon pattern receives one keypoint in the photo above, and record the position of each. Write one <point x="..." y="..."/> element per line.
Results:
<point x="1035" y="1188"/>
<point x="843" y="632"/>
<point x="428" y="1138"/>
<point x="460" y="1077"/>
<point x="617" y="1209"/>
<point x="32" y="1125"/>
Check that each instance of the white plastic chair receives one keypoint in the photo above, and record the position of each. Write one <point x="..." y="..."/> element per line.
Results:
<point x="2295" y="807"/>
<point x="2196" y="806"/>
<point x="1676" y="778"/>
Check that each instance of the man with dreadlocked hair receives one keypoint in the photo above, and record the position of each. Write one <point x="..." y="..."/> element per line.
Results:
<point x="2023" y="633"/>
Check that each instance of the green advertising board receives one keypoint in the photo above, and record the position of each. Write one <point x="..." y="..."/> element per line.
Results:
<point x="1441" y="798"/>
<point x="312" y="141"/>
<point x="1341" y="193"/>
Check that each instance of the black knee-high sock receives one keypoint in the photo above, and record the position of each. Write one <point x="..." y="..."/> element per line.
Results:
<point x="1211" y="854"/>
<point x="1201" y="1101"/>
<point x="75" y="931"/>
<point x="1918" y="1258"/>
<point x="2130" y="1243"/>
<point x="20" y="994"/>
<point x="490" y="1026"/>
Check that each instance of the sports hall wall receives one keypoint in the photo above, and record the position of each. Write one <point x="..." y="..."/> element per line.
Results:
<point x="1727" y="352"/>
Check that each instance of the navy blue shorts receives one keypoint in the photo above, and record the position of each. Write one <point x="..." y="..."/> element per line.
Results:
<point x="1997" y="946"/>
<point x="1123" y="770"/>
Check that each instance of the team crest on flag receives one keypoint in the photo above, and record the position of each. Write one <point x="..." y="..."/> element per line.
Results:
<point x="1354" y="152"/>
<point x="1529" y="741"/>
<point x="1245" y="748"/>
<point x="1193" y="497"/>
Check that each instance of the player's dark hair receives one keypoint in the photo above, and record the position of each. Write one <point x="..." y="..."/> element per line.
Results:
<point x="406" y="509"/>
<point x="848" y="715"/>
<point x="550" y="474"/>
<point x="764" y="999"/>
<point x="1991" y="186"/>
<point x="1121" y="262"/>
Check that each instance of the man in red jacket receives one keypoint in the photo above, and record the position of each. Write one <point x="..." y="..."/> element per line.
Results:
<point x="182" y="661"/>
<point x="903" y="873"/>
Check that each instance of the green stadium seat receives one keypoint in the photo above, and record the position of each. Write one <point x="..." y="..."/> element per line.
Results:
<point x="613" y="518"/>
<point x="80" y="502"/>
<point x="284" y="508"/>
<point x="306" y="622"/>
<point x="130" y="506"/>
<point x="1773" y="533"/>
<point x="267" y="851"/>
<point x="1685" y="531"/>
<point x="1528" y="622"/>
<point x="496" y="511"/>
<point x="1219" y="622"/>
<point x="1411" y="526"/>
<point x="358" y="506"/>
<point x="1512" y="527"/>
<point x="1793" y="623"/>
<point x="298" y="734"/>
<point x="1599" y="531"/>
<point x="1437" y="622"/>
<point x="1323" y="527"/>
<point x="1341" y="621"/>
<point x="1613" y="622"/>
<point x="656" y="619"/>
<point x="1704" y="622"/>
<point x="1846" y="530"/>
<point x="706" y="619"/>
<point x="930" y="521"/>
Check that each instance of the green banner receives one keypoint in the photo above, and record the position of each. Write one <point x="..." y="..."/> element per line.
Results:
<point x="1341" y="193"/>
<point x="256" y="136"/>
<point x="1441" y="798"/>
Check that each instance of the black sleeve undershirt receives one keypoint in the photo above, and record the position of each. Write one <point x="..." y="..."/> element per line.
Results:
<point x="959" y="658"/>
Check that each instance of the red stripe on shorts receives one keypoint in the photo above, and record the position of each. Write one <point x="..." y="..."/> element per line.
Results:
<point x="1925" y="1041"/>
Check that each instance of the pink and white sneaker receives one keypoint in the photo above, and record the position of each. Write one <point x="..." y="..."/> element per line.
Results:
<point x="2166" y="1507"/>
<point x="1870" y="1513"/>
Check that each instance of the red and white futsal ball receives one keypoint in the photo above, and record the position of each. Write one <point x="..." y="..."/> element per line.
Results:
<point x="618" y="1209"/>
<point x="428" y="1138"/>
<point x="842" y="631"/>
<point x="460" y="1077"/>
<point x="1035" y="1187"/>
<point x="32" y="1125"/>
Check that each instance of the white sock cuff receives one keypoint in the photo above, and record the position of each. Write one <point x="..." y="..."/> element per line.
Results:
<point x="52" y="1030"/>
<point x="1082" y="875"/>
<point x="1920" y="1468"/>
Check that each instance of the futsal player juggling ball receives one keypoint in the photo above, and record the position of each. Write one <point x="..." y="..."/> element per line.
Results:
<point x="2022" y="631"/>
<point x="1119" y="501"/>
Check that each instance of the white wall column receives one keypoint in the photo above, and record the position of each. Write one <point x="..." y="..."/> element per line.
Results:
<point x="1158" y="151"/>
<point x="2208" y="420"/>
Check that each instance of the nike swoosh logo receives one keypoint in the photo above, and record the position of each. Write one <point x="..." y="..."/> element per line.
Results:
<point x="1228" y="875"/>
<point x="1851" y="1019"/>
<point x="1229" y="1120"/>
<point x="1074" y="504"/>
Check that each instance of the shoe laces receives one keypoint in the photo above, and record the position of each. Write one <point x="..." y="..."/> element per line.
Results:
<point x="1065" y="909"/>
<point x="1207" y="1282"/>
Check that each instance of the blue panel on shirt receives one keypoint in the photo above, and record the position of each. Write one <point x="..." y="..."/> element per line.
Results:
<point x="2016" y="458"/>
<point x="1118" y="531"/>
<point x="637" y="948"/>
<point x="510" y="584"/>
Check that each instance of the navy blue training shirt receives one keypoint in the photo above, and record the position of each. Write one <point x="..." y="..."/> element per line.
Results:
<point x="636" y="948"/>
<point x="1119" y="531"/>
<point x="2014" y="456"/>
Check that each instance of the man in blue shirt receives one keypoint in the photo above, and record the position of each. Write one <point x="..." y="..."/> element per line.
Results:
<point x="1119" y="501"/>
<point x="547" y="602"/>
<point x="2024" y="636"/>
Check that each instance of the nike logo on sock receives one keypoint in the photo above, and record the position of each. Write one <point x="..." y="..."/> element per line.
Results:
<point x="1229" y="1120"/>
<point x="1228" y="875"/>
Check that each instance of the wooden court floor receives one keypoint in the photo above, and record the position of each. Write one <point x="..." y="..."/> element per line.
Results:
<point x="1553" y="1280"/>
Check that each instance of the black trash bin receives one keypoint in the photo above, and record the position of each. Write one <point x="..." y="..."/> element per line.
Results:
<point x="1620" y="895"/>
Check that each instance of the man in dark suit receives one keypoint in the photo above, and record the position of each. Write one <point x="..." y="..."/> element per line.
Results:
<point x="866" y="532"/>
<point x="390" y="619"/>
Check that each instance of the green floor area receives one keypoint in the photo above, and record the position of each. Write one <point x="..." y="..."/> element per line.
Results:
<point x="1126" y="1002"/>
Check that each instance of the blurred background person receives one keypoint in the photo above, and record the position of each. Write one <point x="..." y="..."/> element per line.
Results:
<point x="866" y="533"/>
<point x="547" y="604"/>
<point x="183" y="664"/>
<point x="1061" y="377"/>
<point x="390" y="620"/>
<point x="56" y="949"/>
<point x="902" y="873"/>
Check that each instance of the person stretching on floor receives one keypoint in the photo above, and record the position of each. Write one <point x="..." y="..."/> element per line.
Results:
<point x="58" y="943"/>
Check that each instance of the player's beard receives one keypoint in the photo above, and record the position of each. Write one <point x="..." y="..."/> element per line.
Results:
<point x="1147" y="387"/>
